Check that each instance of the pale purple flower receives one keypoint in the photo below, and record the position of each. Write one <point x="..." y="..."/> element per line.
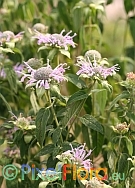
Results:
<point x="56" y="40"/>
<point x="43" y="76"/>
<point x="18" y="68"/>
<point x="8" y="36"/>
<point x="90" y="69"/>
<point x="79" y="156"/>
<point x="2" y="74"/>
<point x="13" y="152"/>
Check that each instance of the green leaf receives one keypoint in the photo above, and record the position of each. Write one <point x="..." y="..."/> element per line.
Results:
<point x="122" y="163"/>
<point x="65" y="52"/>
<point x="7" y="50"/>
<point x="131" y="116"/>
<point x="74" y="79"/>
<point x="72" y="111"/>
<point x="131" y="22"/>
<point x="56" y="135"/>
<point x="1" y="141"/>
<point x="6" y="103"/>
<point x="92" y="123"/>
<point x="111" y="157"/>
<point x="43" y="184"/>
<point x="28" y="138"/>
<point x="98" y="141"/>
<point x="66" y="145"/>
<point x="34" y="102"/>
<point x="109" y="2"/>
<point x="1" y="180"/>
<point x="129" y="5"/>
<point x="101" y="98"/>
<point x="43" y="48"/>
<point x="1" y="3"/>
<point x="46" y="150"/>
<point x="64" y="14"/>
<point x="52" y="53"/>
<point x="55" y="152"/>
<point x="11" y="77"/>
<point x="77" y="18"/>
<point x="123" y="95"/>
<point x="79" y="95"/>
<point x="129" y="145"/>
<point x="41" y="122"/>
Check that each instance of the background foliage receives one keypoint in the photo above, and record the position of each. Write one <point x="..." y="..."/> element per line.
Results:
<point x="98" y="112"/>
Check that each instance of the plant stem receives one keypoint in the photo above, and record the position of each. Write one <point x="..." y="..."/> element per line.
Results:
<point x="52" y="109"/>
<point x="53" y="112"/>
<point x="82" y="103"/>
<point x="119" y="143"/>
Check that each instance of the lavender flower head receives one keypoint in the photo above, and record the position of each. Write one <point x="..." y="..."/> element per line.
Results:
<point x="94" y="69"/>
<point x="56" y="40"/>
<point x="78" y="156"/>
<point x="13" y="152"/>
<point x="8" y="36"/>
<point x="18" y="68"/>
<point x="43" y="76"/>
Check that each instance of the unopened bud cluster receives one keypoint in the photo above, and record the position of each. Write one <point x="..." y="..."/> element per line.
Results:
<point x="121" y="128"/>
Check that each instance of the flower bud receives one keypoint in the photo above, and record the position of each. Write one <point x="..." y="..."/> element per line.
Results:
<point x="93" y="55"/>
<point x="40" y="27"/>
<point x="121" y="128"/>
<point x="34" y="63"/>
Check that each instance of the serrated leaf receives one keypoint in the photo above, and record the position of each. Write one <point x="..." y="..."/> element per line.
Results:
<point x="56" y="135"/>
<point x="46" y="150"/>
<point x="123" y="95"/>
<point x="79" y="95"/>
<point x="72" y="111"/>
<point x="74" y="79"/>
<point x="92" y="123"/>
<point x="65" y="52"/>
<point x="34" y="102"/>
<point x="55" y="152"/>
<point x="41" y="122"/>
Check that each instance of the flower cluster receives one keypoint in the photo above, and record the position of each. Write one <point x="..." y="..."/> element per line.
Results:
<point x="8" y="36"/>
<point x="43" y="76"/>
<point x="93" y="68"/>
<point x="77" y="156"/>
<point x="121" y="128"/>
<point x="130" y="79"/>
<point x="24" y="123"/>
<point x="95" y="183"/>
<point x="12" y="152"/>
<point x="56" y="40"/>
